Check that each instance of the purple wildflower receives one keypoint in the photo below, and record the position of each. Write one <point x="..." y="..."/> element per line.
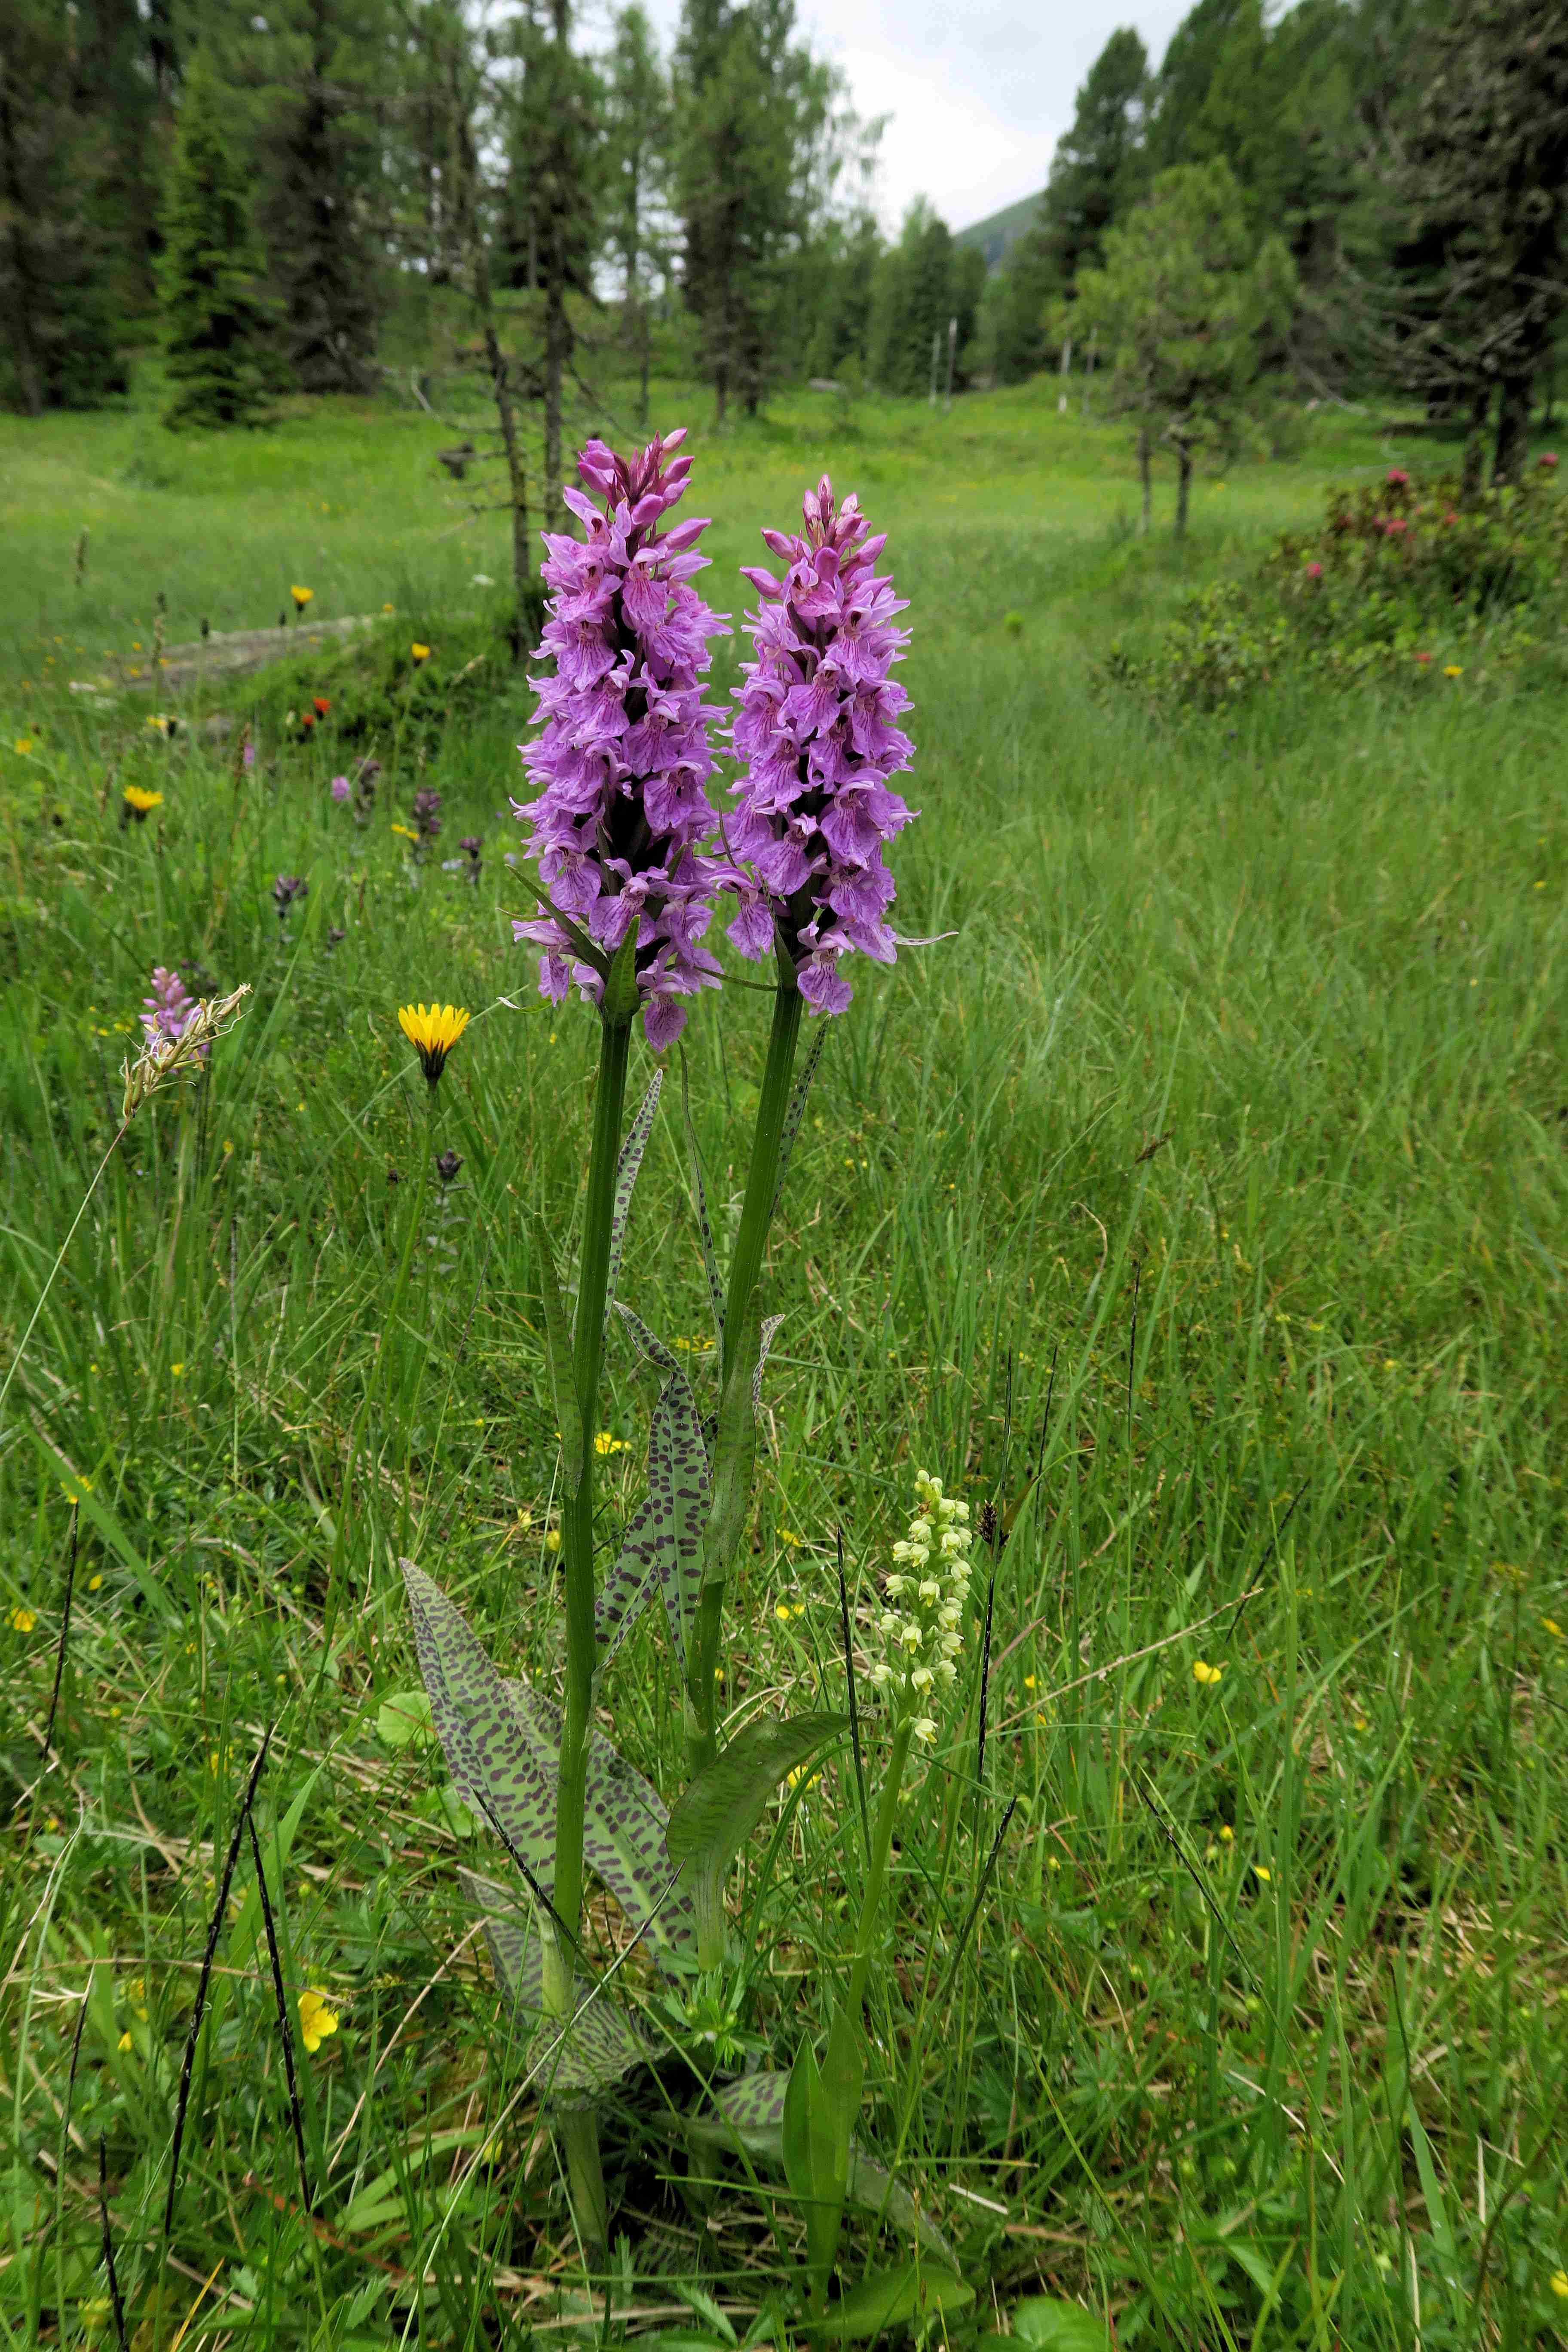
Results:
<point x="623" y="759"/>
<point x="170" y="1008"/>
<point x="340" y="788"/>
<point x="815" y="734"/>
<point x="285" y="890"/>
<point x="427" y="813"/>
<point x="251" y="755"/>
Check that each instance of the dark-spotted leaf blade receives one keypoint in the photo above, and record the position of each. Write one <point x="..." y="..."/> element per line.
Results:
<point x="491" y="1764"/>
<point x="627" y="1167"/>
<point x="565" y="2060"/>
<point x="750" y="2113"/>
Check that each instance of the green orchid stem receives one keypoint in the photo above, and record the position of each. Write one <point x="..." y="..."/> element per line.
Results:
<point x="579" y="2127"/>
<point x="881" y="1842"/>
<point x="848" y="2018"/>
<point x="405" y="1263"/>
<point x="745" y="1268"/>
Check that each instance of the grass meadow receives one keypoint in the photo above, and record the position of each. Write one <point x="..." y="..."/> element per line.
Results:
<point x="1201" y="1202"/>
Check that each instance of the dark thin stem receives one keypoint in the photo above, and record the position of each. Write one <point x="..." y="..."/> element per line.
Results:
<point x="984" y="1692"/>
<point x="115" y="2298"/>
<point x="203" y="1980"/>
<point x="284" y="2027"/>
<point x="65" y="1630"/>
<point x="986" y="1877"/>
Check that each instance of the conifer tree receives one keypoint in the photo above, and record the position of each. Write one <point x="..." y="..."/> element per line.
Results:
<point x="323" y="66"/>
<point x="216" y="322"/>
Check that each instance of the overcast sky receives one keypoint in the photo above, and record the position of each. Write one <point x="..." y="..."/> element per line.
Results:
<point x="979" y="90"/>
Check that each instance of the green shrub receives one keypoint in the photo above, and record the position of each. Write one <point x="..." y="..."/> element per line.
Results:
<point x="1402" y="578"/>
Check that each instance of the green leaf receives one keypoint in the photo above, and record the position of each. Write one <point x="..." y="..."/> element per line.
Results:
<point x="487" y="1755"/>
<point x="558" y="1360"/>
<point x="677" y="1488"/>
<point x="627" y="1167"/>
<point x="889" y="2298"/>
<point x="619" y="1001"/>
<point x="625" y="1593"/>
<point x="820" y="2108"/>
<point x="719" y="1811"/>
<point x="1046" y="2324"/>
<point x="405" y="1718"/>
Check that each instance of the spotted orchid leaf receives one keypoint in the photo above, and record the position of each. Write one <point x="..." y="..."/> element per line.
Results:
<point x="558" y="1359"/>
<point x="677" y="1483"/>
<point x="597" y="2047"/>
<point x="626" y="1591"/>
<point x="699" y="1204"/>
<point x="750" y="2113"/>
<point x="795" y="1113"/>
<point x="625" y="1827"/>
<point x="627" y="1167"/>
<point x="493" y="1767"/>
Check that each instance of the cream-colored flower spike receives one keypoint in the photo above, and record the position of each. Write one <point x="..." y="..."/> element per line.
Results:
<point x="928" y="1586"/>
<point x="163" y="1058"/>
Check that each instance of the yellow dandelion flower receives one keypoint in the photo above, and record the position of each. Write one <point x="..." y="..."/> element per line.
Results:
<point x="302" y="596"/>
<point x="1452" y="669"/>
<point x="433" y="1031"/>
<point x="420" y="653"/>
<point x="137" y="797"/>
<point x="318" y="2018"/>
<point x="1205" y="1674"/>
<point x="23" y="1620"/>
<point x="24" y="743"/>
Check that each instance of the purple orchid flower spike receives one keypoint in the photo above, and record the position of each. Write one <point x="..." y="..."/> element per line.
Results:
<point x="622" y="822"/>
<point x="816" y="736"/>
<point x="170" y="1010"/>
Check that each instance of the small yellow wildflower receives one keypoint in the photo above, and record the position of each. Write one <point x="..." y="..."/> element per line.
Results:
<point x="138" y="798"/>
<point x="302" y="596"/>
<point x="1552" y="1627"/>
<point x="94" y="1583"/>
<point x="23" y="1620"/>
<point x="389" y="608"/>
<point x="160" y="726"/>
<point x="781" y="1612"/>
<point x="407" y="830"/>
<point x="176" y="1369"/>
<point x="24" y="743"/>
<point x="1226" y="1834"/>
<point x="1453" y="670"/>
<point x="552" y="1540"/>
<point x="1205" y="1674"/>
<point x="1560" y="2285"/>
<point x="787" y="1535"/>
<point x="125" y="2042"/>
<point x="1259" y="1871"/>
<point x="1028" y="1682"/>
<point x="607" y="1442"/>
<point x="318" y="2018"/>
<point x="421" y="653"/>
<point x="433" y="1031"/>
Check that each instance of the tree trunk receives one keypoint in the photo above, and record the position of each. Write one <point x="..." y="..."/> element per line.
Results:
<point x="1183" y="487"/>
<point x="517" y="476"/>
<point x="1145" y="484"/>
<point x="1512" y="430"/>
<point x="642" y="365"/>
<point x="21" y="274"/>
<point x="1475" y="444"/>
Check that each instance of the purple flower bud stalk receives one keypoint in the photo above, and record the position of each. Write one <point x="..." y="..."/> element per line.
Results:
<point x="815" y="812"/>
<point x="170" y="1010"/>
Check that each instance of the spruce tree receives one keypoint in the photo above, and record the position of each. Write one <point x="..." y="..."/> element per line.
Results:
<point x="322" y="63"/>
<point x="216" y="322"/>
<point x="1097" y="169"/>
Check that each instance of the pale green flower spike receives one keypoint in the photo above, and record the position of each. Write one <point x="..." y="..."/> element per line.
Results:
<point x="931" y="1581"/>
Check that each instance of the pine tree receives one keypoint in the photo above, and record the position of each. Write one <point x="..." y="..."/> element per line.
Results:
<point x="1097" y="171"/>
<point x="60" y="257"/>
<point x="638" y="133"/>
<point x="323" y="67"/>
<point x="1185" y="310"/>
<point x="216" y="322"/>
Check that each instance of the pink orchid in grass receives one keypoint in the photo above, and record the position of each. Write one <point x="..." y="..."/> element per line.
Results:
<point x="815" y="732"/>
<point x="340" y="788"/>
<point x="623" y="826"/>
<point x="170" y="1009"/>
